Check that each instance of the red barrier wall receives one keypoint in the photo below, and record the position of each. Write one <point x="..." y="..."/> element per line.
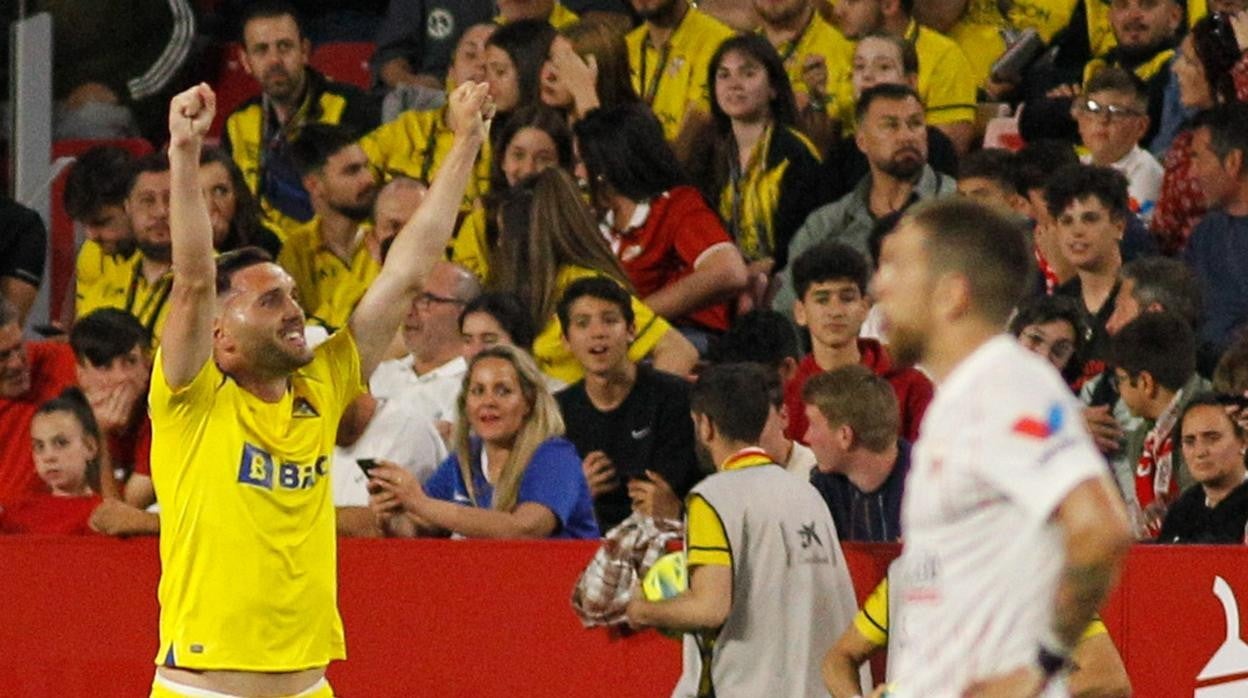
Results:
<point x="483" y="619"/>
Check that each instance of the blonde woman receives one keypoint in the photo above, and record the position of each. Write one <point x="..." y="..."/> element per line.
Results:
<point x="513" y="475"/>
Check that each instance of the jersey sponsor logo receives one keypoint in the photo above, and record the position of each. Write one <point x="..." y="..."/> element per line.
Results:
<point x="641" y="433"/>
<point x="256" y="468"/>
<point x="1226" y="672"/>
<point x="1037" y="428"/>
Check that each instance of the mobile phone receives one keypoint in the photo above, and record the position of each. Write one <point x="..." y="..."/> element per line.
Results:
<point x="367" y="464"/>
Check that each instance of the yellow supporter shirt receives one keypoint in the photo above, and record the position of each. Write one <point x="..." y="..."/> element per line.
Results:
<point x="818" y="38"/>
<point x="560" y="17"/>
<point x="672" y="78"/>
<point x="470" y="249"/>
<point x="247" y="537"/>
<point x="415" y="145"/>
<point x="978" y="32"/>
<point x="114" y="281"/>
<point x="329" y="288"/>
<point x="1101" y="34"/>
<point x="554" y="358"/>
<point x="872" y="619"/>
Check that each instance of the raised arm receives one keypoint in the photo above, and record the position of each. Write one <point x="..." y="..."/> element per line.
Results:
<point x="422" y="241"/>
<point x="186" y="342"/>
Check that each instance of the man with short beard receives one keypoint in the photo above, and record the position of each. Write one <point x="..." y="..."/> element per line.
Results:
<point x="892" y="133"/>
<point x="139" y="284"/>
<point x="259" y="133"/>
<point x="327" y="256"/>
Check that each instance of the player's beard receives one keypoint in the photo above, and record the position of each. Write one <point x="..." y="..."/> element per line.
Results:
<point x="907" y="346"/>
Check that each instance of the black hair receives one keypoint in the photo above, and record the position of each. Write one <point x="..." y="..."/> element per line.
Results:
<point x="782" y="106"/>
<point x="316" y="144"/>
<point x="736" y="399"/>
<point x="996" y="164"/>
<point x="1040" y="310"/>
<point x="527" y="43"/>
<point x="269" y="9"/>
<point x="1111" y="78"/>
<point x="1038" y="160"/>
<point x="156" y="161"/>
<point x="100" y="177"/>
<point x="1210" y="399"/>
<point x="1213" y="38"/>
<point x="1227" y="132"/>
<point x="761" y="336"/>
<point x="73" y="401"/>
<point x="1161" y="343"/>
<point x="600" y="287"/>
<point x="508" y="312"/>
<point x="245" y="227"/>
<point x="623" y="147"/>
<point x="830" y="261"/>
<point x="884" y="90"/>
<point x="1077" y="182"/>
<point x="105" y="334"/>
<point x="235" y="261"/>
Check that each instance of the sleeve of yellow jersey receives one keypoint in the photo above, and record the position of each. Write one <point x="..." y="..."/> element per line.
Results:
<point x="706" y="542"/>
<point x="650" y="328"/>
<point x="949" y="94"/>
<point x="872" y="619"/>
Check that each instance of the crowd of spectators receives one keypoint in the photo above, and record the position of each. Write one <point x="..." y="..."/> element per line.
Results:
<point x="663" y="191"/>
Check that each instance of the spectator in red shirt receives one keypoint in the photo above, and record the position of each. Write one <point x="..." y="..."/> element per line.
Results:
<point x="114" y="365"/>
<point x="831" y="284"/>
<point x="67" y="456"/>
<point x="30" y="374"/>
<point x="671" y="244"/>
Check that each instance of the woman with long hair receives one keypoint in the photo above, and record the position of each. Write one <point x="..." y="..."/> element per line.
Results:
<point x="753" y="164"/>
<point x="548" y="239"/>
<point x="587" y="68"/>
<point x="513" y="475"/>
<point x="514" y="55"/>
<point x="232" y="209"/>
<point x="671" y="244"/>
<point x="1210" y="69"/>
<point x="532" y="139"/>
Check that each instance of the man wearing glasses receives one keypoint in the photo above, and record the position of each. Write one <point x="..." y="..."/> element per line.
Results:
<point x="433" y="370"/>
<point x="1112" y="115"/>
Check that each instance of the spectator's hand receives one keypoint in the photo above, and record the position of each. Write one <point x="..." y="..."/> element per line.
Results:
<point x="190" y="115"/>
<point x="469" y="110"/>
<point x="113" y="405"/>
<point x="579" y="76"/>
<point x="389" y="479"/>
<point x="654" y="497"/>
<point x="1063" y="91"/>
<point x="633" y="611"/>
<point x="1239" y="22"/>
<point x="1026" y="682"/>
<point x="599" y="473"/>
<point x="114" y="517"/>
<point x="1105" y="430"/>
<point x="815" y="77"/>
<point x="996" y="89"/>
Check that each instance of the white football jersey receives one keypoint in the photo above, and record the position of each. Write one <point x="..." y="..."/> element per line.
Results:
<point x="1001" y="446"/>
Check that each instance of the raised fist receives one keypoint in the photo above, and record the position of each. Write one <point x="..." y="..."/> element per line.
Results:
<point x="190" y="114"/>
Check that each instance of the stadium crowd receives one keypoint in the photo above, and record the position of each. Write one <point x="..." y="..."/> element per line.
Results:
<point x="666" y="187"/>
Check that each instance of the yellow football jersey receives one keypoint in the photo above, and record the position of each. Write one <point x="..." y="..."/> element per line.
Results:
<point x="818" y="38"/>
<point x="415" y="145"/>
<point x="114" y="281"/>
<point x="672" y="78"/>
<point x="557" y="361"/>
<point x="329" y="288"/>
<point x="247" y="538"/>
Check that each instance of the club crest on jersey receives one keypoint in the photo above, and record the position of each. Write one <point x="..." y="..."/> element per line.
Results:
<point x="256" y="468"/>
<point x="1041" y="428"/>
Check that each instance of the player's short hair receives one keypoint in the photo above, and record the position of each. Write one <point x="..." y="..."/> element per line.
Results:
<point x="269" y="9"/>
<point x="761" y="336"/>
<point x="885" y="91"/>
<point x="735" y="398"/>
<point x="600" y="287"/>
<point x="997" y="165"/>
<point x="855" y="396"/>
<point x="234" y="261"/>
<point x="508" y="312"/>
<point x="105" y="334"/>
<point x="1078" y="182"/>
<point x="1168" y="283"/>
<point x="316" y="144"/>
<point x="156" y="162"/>
<point x="100" y="177"/>
<point x="830" y="261"/>
<point x="1162" y="344"/>
<point x="987" y="248"/>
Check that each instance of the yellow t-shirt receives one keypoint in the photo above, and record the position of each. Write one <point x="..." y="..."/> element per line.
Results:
<point x="113" y="281"/>
<point x="673" y="79"/>
<point x="470" y="249"/>
<point x="978" y="32"/>
<point x="329" y="288"/>
<point x="560" y="17"/>
<point x="872" y="619"/>
<point x="819" y="38"/>
<point x="247" y="524"/>
<point x="416" y="144"/>
<point x="554" y="358"/>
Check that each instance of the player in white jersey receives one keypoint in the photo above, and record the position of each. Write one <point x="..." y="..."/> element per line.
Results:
<point x="1014" y="533"/>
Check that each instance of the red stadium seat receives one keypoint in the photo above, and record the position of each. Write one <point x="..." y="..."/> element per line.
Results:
<point x="233" y="86"/>
<point x="61" y="228"/>
<point x="345" y="61"/>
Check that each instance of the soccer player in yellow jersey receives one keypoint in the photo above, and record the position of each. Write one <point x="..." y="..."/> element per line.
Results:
<point x="244" y="416"/>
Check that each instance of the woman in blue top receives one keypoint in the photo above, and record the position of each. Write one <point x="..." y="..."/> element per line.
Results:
<point x="513" y="475"/>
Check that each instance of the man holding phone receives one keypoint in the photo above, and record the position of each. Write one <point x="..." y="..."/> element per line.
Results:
<point x="630" y="423"/>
